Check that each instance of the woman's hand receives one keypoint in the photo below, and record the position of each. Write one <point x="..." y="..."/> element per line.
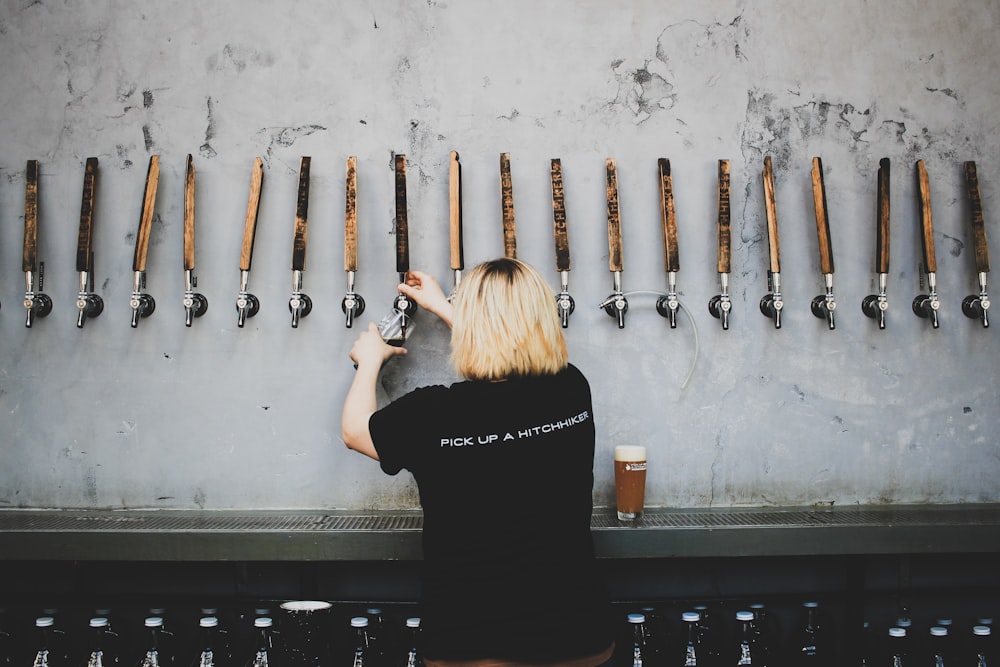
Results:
<point x="426" y="291"/>
<point x="370" y="350"/>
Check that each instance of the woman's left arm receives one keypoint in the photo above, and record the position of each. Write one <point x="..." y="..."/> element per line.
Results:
<point x="369" y="353"/>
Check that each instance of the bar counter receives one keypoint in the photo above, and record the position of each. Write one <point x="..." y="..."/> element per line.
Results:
<point x="340" y="535"/>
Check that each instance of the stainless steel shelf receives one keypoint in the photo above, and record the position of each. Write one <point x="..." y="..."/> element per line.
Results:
<point x="232" y="535"/>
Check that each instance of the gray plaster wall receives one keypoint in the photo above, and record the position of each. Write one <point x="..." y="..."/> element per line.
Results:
<point x="220" y="417"/>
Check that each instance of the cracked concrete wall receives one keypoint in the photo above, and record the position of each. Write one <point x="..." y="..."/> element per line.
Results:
<point x="220" y="417"/>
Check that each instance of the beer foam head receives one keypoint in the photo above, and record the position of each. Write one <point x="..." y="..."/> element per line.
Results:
<point x="630" y="453"/>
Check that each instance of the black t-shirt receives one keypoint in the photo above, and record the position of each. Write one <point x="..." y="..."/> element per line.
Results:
<point x="505" y="475"/>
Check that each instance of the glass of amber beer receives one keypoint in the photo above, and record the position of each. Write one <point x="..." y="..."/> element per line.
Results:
<point x="630" y="481"/>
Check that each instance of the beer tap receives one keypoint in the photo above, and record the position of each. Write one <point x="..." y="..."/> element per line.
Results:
<point x="402" y="303"/>
<point x="507" y="208"/>
<point x="456" y="241"/>
<point x="875" y="305"/>
<point x="300" y="305"/>
<point x="247" y="304"/>
<point x="926" y="305"/>
<point x="977" y="305"/>
<point x="824" y="305"/>
<point x="564" y="302"/>
<point x="720" y="305"/>
<point x="36" y="304"/>
<point x="353" y="304"/>
<point x="616" y="305"/>
<point x="195" y="304"/>
<point x="143" y="304"/>
<point x="668" y="305"/>
<point x="88" y="303"/>
<point x="772" y="303"/>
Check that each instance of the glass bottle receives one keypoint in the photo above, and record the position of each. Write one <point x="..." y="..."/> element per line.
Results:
<point x="939" y="652"/>
<point x="157" y="652"/>
<point x="692" y="643"/>
<point x="413" y="654"/>
<point x="103" y="647"/>
<point x="45" y="653"/>
<point x="210" y="651"/>
<point x="983" y="654"/>
<point x="896" y="648"/>
<point x="376" y="636"/>
<point x="637" y="628"/>
<point x="744" y="652"/>
<point x="808" y="645"/>
<point x="656" y="634"/>
<point x="263" y="646"/>
<point x="362" y="644"/>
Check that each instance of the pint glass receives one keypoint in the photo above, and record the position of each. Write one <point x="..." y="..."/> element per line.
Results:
<point x="630" y="481"/>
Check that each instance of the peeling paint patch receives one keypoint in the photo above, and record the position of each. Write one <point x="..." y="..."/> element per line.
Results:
<point x="284" y="136"/>
<point x="122" y="153"/>
<point x="955" y="246"/>
<point x="199" y="498"/>
<point x="206" y="150"/>
<point x="966" y="410"/>
<point x="147" y="98"/>
<point x="147" y="137"/>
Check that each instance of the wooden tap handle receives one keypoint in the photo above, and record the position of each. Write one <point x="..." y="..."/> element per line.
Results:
<point x="926" y="220"/>
<point x="615" y="263"/>
<point x="725" y="239"/>
<point x="771" y="210"/>
<point x="301" y="217"/>
<point x="559" y="216"/>
<point x="822" y="221"/>
<point x="978" y="220"/>
<point x="29" y="259"/>
<point x="85" y="236"/>
<point x="455" y="212"/>
<point x="402" y="224"/>
<point x="882" y="233"/>
<point x="189" y="215"/>
<point x="146" y="217"/>
<point x="507" y="208"/>
<point x="351" y="216"/>
<point x="253" y="208"/>
<point x="668" y="218"/>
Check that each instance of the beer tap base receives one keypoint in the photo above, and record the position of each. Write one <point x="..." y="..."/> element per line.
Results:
<point x="972" y="307"/>
<point x="90" y="305"/>
<point x="352" y="306"/>
<point x="821" y="310"/>
<point x="304" y="308"/>
<point x="770" y="308"/>
<point x="249" y="309"/>
<point x="199" y="304"/>
<point x="924" y="307"/>
<point x="667" y="308"/>
<point x="719" y="309"/>
<point x="43" y="305"/>
<point x="143" y="307"/>
<point x="565" y="305"/>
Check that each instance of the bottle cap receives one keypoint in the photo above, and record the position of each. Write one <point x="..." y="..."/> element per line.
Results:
<point x="99" y="622"/>
<point x="636" y="618"/>
<point x="359" y="622"/>
<point x="157" y="611"/>
<point x="984" y="621"/>
<point x="413" y="622"/>
<point x="209" y="611"/>
<point x="154" y="622"/>
<point x="262" y="622"/>
<point x="938" y="631"/>
<point x="757" y="605"/>
<point x="208" y="622"/>
<point x="44" y="622"/>
<point x="744" y="616"/>
<point x="903" y="622"/>
<point x="262" y="611"/>
<point x="810" y="605"/>
<point x="691" y="616"/>
<point x="373" y="611"/>
<point x="982" y="631"/>
<point x="943" y="622"/>
<point x="897" y="632"/>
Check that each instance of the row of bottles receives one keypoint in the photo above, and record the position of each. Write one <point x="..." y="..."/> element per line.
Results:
<point x="306" y="641"/>
<point x="753" y="638"/>
<point x="314" y="636"/>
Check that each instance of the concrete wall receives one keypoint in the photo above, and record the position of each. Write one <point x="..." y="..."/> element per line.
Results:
<point x="220" y="417"/>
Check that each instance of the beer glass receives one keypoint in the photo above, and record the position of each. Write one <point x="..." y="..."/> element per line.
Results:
<point x="396" y="327"/>
<point x="630" y="481"/>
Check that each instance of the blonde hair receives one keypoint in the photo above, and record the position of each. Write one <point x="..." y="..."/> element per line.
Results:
<point x="506" y="324"/>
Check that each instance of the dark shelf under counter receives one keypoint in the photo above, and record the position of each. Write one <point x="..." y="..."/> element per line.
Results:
<point x="318" y="535"/>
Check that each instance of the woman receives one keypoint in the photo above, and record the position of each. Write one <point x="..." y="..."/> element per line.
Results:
<point x="504" y="465"/>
